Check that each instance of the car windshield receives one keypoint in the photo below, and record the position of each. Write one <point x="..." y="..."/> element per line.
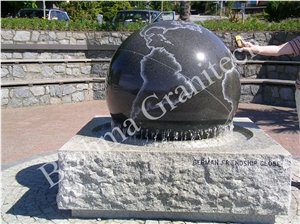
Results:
<point x="31" y="13"/>
<point x="39" y="13"/>
<point x="59" y="15"/>
<point x="134" y="16"/>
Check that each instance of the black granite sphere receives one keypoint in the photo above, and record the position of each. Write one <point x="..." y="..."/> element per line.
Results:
<point x="173" y="77"/>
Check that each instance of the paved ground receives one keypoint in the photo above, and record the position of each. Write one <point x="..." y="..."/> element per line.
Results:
<point x="31" y="137"/>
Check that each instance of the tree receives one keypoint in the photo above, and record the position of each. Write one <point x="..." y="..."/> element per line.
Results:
<point x="279" y="10"/>
<point x="184" y="12"/>
<point x="200" y="6"/>
<point x="10" y="8"/>
<point x="162" y="5"/>
<point x="210" y="7"/>
<point x="88" y="10"/>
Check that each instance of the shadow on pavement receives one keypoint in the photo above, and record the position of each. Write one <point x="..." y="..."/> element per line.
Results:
<point x="40" y="200"/>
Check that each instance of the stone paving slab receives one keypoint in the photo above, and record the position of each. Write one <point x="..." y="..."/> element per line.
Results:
<point x="29" y="131"/>
<point x="280" y="123"/>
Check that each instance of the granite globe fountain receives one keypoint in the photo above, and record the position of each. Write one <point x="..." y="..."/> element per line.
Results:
<point x="183" y="80"/>
<point x="172" y="148"/>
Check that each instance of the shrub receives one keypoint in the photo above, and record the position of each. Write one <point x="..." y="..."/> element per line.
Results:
<point x="85" y="25"/>
<point x="252" y="24"/>
<point x="279" y="10"/>
<point x="261" y="16"/>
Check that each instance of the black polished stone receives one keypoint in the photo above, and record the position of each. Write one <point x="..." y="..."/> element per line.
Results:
<point x="174" y="76"/>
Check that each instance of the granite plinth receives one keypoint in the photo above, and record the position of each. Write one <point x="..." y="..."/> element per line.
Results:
<point x="241" y="176"/>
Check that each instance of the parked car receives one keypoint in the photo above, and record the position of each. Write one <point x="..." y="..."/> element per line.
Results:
<point x="55" y="14"/>
<point x="145" y="16"/>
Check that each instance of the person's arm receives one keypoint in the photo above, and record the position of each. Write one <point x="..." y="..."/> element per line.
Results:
<point x="270" y="50"/>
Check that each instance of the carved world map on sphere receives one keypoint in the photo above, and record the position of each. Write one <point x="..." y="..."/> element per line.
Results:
<point x="173" y="75"/>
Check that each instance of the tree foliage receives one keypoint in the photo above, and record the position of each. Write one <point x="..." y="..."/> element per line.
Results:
<point x="22" y="4"/>
<point x="10" y="8"/>
<point x="88" y="10"/>
<point x="163" y="5"/>
<point x="211" y="7"/>
<point x="279" y="10"/>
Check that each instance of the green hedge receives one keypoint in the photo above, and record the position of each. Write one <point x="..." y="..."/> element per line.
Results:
<point x="88" y="25"/>
<point x="252" y="24"/>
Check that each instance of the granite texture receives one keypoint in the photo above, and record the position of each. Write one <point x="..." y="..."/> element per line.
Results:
<point x="240" y="174"/>
<point x="163" y="80"/>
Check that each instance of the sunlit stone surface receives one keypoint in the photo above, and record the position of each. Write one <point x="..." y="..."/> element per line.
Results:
<point x="243" y="177"/>
<point x="174" y="76"/>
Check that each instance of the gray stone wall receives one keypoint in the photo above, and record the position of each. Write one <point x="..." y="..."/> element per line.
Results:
<point x="24" y="96"/>
<point x="43" y="94"/>
<point x="278" y="95"/>
<point x="62" y="37"/>
<point x="38" y="71"/>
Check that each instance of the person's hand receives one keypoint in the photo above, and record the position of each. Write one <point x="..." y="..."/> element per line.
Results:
<point x="247" y="46"/>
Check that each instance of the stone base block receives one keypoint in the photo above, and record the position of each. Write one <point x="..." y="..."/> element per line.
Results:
<point x="179" y="216"/>
<point x="241" y="176"/>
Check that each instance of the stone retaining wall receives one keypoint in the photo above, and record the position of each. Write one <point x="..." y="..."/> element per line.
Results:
<point x="16" y="96"/>
<point x="62" y="37"/>
<point x="50" y="94"/>
<point x="37" y="71"/>
<point x="279" y="95"/>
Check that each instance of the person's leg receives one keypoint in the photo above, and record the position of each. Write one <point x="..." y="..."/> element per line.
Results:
<point x="297" y="96"/>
